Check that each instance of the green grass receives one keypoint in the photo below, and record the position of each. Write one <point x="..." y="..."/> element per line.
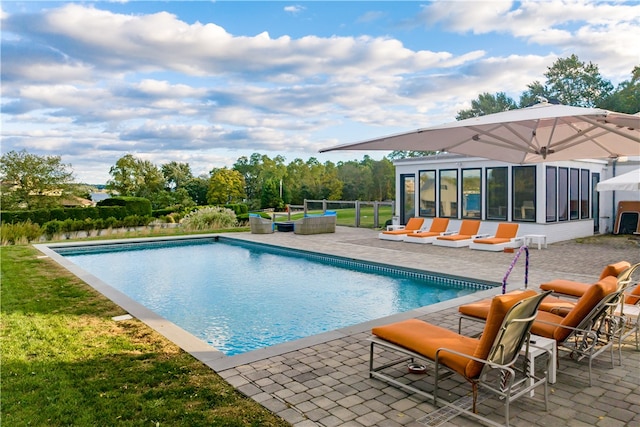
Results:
<point x="65" y="362"/>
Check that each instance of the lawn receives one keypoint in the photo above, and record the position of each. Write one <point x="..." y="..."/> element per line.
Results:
<point x="66" y="362"/>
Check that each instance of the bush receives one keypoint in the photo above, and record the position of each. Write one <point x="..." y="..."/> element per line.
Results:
<point x="52" y="228"/>
<point x="133" y="205"/>
<point x="21" y="232"/>
<point x="209" y="218"/>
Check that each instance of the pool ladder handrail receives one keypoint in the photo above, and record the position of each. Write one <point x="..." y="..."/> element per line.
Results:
<point x="513" y="263"/>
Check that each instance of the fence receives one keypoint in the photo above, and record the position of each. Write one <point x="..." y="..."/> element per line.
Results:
<point x="352" y="213"/>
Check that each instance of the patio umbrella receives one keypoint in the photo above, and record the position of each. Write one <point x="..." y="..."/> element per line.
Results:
<point x="629" y="181"/>
<point x="542" y="132"/>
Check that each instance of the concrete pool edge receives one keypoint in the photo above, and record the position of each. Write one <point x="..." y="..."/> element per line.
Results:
<point x="203" y="351"/>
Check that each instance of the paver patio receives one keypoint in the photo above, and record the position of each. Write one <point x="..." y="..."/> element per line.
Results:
<point x="323" y="380"/>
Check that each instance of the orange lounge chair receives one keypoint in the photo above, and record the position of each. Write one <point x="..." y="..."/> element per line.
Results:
<point x="468" y="231"/>
<point x="574" y="330"/>
<point x="505" y="333"/>
<point x="506" y="237"/>
<point x="398" y="232"/>
<point x="438" y="228"/>
<point x="577" y="289"/>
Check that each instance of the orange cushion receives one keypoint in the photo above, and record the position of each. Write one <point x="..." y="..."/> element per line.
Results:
<point x="425" y="339"/>
<point x="402" y="231"/>
<point x="614" y="269"/>
<point x="480" y="309"/>
<point x="566" y="287"/>
<point x="492" y="241"/>
<point x="439" y="225"/>
<point x="455" y="237"/>
<point x="469" y="227"/>
<point x="425" y="234"/>
<point x="557" y="306"/>
<point x="585" y="304"/>
<point x="633" y="297"/>
<point x="414" y="224"/>
<point x="545" y="329"/>
<point x="506" y="231"/>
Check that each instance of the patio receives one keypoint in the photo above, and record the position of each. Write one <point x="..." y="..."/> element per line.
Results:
<point x="323" y="380"/>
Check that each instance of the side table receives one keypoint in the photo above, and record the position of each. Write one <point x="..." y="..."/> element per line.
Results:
<point x="539" y="239"/>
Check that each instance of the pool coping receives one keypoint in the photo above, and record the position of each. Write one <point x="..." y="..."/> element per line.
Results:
<point x="204" y="352"/>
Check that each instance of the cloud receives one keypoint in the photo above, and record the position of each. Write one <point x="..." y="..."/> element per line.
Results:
<point x="93" y="84"/>
<point x="294" y="9"/>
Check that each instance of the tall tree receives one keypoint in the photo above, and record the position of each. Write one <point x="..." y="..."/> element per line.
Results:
<point x="197" y="188"/>
<point x="572" y="82"/>
<point x="32" y="181"/>
<point x="225" y="186"/>
<point x="626" y="97"/>
<point x="488" y="104"/>
<point x="176" y="174"/>
<point x="135" y="177"/>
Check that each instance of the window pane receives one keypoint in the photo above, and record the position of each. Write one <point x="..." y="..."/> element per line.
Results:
<point x="428" y="193"/>
<point x="449" y="193"/>
<point x="584" y="193"/>
<point x="471" y="195"/>
<point x="552" y="193"/>
<point x="574" y="194"/>
<point x="524" y="193"/>
<point x="497" y="193"/>
<point x="563" y="194"/>
<point x="408" y="197"/>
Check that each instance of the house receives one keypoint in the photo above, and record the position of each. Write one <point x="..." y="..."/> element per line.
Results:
<point x="555" y="199"/>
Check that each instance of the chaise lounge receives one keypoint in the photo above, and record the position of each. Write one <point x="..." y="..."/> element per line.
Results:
<point x="438" y="228"/>
<point x="316" y="224"/>
<point x="505" y="237"/>
<point x="397" y="232"/>
<point x="468" y="231"/>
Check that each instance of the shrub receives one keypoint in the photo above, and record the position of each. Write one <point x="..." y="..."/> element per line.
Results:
<point x="209" y="218"/>
<point x="134" y="205"/>
<point x="20" y="232"/>
<point x="52" y="228"/>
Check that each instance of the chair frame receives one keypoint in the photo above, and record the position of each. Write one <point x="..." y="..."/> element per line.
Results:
<point x="596" y="333"/>
<point x="503" y="356"/>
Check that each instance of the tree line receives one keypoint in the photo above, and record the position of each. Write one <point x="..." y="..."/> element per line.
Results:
<point x="30" y="181"/>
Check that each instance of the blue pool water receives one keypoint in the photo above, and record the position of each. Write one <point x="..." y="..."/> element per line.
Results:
<point x="242" y="297"/>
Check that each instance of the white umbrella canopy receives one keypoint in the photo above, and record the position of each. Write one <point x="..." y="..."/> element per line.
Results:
<point x="542" y="132"/>
<point x="629" y="181"/>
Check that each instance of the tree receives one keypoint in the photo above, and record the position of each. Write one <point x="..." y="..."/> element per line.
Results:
<point x="398" y="154"/>
<point x="176" y="174"/>
<point x="225" y="186"/>
<point x="139" y="178"/>
<point x="573" y="82"/>
<point x="197" y="188"/>
<point x="626" y="97"/>
<point x="488" y="104"/>
<point x="30" y="181"/>
<point x="534" y="93"/>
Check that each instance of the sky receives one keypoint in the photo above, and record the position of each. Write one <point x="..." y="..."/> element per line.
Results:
<point x="205" y="82"/>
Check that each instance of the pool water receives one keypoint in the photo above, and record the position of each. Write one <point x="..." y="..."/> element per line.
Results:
<point x="240" y="298"/>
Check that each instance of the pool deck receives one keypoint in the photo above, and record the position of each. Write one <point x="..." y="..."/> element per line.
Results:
<point x="324" y="381"/>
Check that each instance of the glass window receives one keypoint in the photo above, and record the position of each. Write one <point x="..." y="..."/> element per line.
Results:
<point x="427" y="193"/>
<point x="563" y="194"/>
<point x="574" y="193"/>
<point x="471" y="195"/>
<point x="552" y="194"/>
<point x="449" y="193"/>
<point x="408" y="195"/>
<point x="497" y="193"/>
<point x="584" y="193"/>
<point x="524" y="193"/>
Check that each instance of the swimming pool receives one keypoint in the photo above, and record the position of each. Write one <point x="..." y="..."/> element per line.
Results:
<point x="241" y="296"/>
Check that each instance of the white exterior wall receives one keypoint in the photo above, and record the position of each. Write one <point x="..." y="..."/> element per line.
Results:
<point x="555" y="231"/>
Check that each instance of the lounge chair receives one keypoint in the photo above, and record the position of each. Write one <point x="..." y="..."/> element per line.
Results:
<point x="397" y="232"/>
<point x="468" y="231"/>
<point x="582" y="330"/>
<point x="476" y="359"/>
<point x="576" y="289"/>
<point x="438" y="228"/>
<point x="260" y="225"/>
<point x="506" y="237"/>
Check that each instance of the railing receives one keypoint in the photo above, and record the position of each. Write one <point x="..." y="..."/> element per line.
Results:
<point x="353" y="213"/>
<point x="513" y="263"/>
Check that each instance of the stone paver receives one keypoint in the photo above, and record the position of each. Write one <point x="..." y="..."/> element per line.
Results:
<point x="326" y="383"/>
